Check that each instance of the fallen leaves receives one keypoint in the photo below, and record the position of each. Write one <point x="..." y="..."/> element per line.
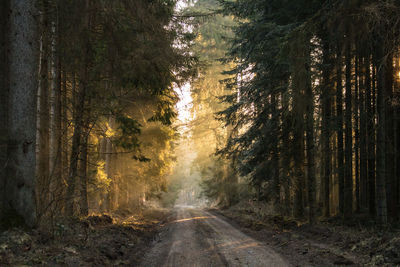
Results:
<point x="97" y="240"/>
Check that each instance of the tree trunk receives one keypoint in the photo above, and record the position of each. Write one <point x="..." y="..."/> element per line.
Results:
<point x="370" y="132"/>
<point x="79" y="109"/>
<point x="357" y="135"/>
<point x="396" y="134"/>
<point x="363" y="142"/>
<point x="21" y="181"/>
<point x="84" y="205"/>
<point x="83" y="175"/>
<point x="339" y="120"/>
<point x="397" y="162"/>
<point x="286" y="156"/>
<point x="55" y="115"/>
<point x="310" y="151"/>
<point x="390" y="137"/>
<point x="326" y="123"/>
<point x="4" y="86"/>
<point x="381" y="201"/>
<point x="75" y="149"/>
<point x="102" y="192"/>
<point x="108" y="168"/>
<point x="348" y="170"/>
<point x="275" y="153"/>
<point x="300" y="82"/>
<point x="43" y="173"/>
<point x="65" y="129"/>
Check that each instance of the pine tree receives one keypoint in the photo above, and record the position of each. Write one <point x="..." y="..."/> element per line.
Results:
<point x="23" y="58"/>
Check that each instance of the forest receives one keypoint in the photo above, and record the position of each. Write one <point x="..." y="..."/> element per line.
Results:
<point x="314" y="106"/>
<point x="147" y="113"/>
<point x="89" y="87"/>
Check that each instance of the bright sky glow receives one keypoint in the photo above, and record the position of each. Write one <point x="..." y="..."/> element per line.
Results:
<point x="181" y="5"/>
<point x="185" y="104"/>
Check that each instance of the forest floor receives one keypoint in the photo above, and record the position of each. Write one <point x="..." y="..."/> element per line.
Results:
<point x="324" y="244"/>
<point x="223" y="237"/>
<point x="98" y="240"/>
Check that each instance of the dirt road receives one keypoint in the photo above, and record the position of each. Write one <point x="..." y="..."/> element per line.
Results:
<point x="199" y="238"/>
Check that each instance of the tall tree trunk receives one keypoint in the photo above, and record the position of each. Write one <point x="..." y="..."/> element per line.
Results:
<point x="339" y="121"/>
<point x="84" y="205"/>
<point x="301" y="79"/>
<point x="286" y="155"/>
<point x="65" y="128"/>
<point x="310" y="150"/>
<point x="79" y="109"/>
<point x="370" y="132"/>
<point x="275" y="153"/>
<point x="397" y="162"/>
<point x="4" y="86"/>
<point x="83" y="175"/>
<point x="102" y="195"/>
<point x="363" y="141"/>
<point x="24" y="48"/>
<point x="381" y="201"/>
<point x="108" y="167"/>
<point x="356" y="114"/>
<point x="76" y="145"/>
<point x="348" y="170"/>
<point x="55" y="113"/>
<point x="326" y="124"/>
<point x="396" y="134"/>
<point x="43" y="172"/>
<point x="390" y="137"/>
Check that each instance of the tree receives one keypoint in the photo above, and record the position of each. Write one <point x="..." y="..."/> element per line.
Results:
<point x="348" y="147"/>
<point x="23" y="69"/>
<point x="43" y="117"/>
<point x="4" y="7"/>
<point x="317" y="61"/>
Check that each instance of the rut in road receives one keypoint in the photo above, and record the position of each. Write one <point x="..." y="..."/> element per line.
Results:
<point x="199" y="238"/>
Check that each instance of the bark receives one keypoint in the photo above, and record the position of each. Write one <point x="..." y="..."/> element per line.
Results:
<point x="300" y="83"/>
<point x="275" y="153"/>
<point x="389" y="138"/>
<point x="55" y="117"/>
<point x="299" y="171"/>
<point x="396" y="119"/>
<point x="348" y="167"/>
<point x="79" y="109"/>
<point x="309" y="129"/>
<point x="363" y="142"/>
<point x="83" y="175"/>
<point x="286" y="156"/>
<point x="397" y="159"/>
<point x="108" y="168"/>
<point x="310" y="152"/>
<point x="370" y="132"/>
<point x="326" y="132"/>
<point x="75" y="148"/>
<point x="381" y="204"/>
<point x="4" y="86"/>
<point x="84" y="205"/>
<point x="65" y="125"/>
<point x="339" y="121"/>
<point x="102" y="196"/>
<point x="357" y="135"/>
<point x="24" y="47"/>
<point x="43" y="173"/>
